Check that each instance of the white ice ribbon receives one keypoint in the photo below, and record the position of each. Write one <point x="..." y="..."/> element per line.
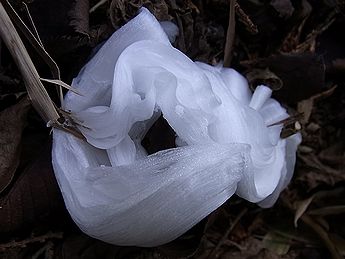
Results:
<point x="114" y="191"/>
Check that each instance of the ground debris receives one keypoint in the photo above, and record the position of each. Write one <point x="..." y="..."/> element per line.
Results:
<point x="12" y="123"/>
<point x="295" y="47"/>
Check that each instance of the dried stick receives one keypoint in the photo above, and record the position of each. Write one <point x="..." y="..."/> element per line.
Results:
<point x="230" y="35"/>
<point x="37" y="93"/>
<point x="33" y="239"/>
<point x="34" y="40"/>
<point x="245" y="19"/>
<point x="322" y="235"/>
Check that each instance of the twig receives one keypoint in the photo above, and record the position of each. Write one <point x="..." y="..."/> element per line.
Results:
<point x="230" y="35"/>
<point x="95" y="7"/>
<point x="323" y="236"/>
<point x="245" y="19"/>
<point x="309" y="43"/>
<point x="33" y="27"/>
<point x="308" y="220"/>
<point x="313" y="161"/>
<point x="37" y="93"/>
<point x="226" y="234"/>
<point x="25" y="242"/>
<point x="35" y="42"/>
<point x="47" y="251"/>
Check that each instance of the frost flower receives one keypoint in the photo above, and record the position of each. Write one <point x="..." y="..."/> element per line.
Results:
<point x="117" y="193"/>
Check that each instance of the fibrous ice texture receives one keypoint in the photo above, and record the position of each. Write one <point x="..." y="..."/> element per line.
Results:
<point x="117" y="193"/>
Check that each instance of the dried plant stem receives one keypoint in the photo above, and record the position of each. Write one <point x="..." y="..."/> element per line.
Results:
<point x="34" y="40"/>
<point x="30" y="240"/>
<point x="230" y="35"/>
<point x="322" y="235"/>
<point x="245" y="19"/>
<point x="95" y="7"/>
<point x="37" y="93"/>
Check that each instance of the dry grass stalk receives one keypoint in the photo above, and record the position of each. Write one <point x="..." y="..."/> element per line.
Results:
<point x="230" y="35"/>
<point x="37" y="93"/>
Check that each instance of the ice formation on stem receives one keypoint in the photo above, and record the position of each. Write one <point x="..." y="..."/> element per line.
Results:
<point x="117" y="193"/>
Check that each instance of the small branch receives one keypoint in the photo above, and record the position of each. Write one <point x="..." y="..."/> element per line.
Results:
<point x="245" y="19"/>
<point x="33" y="27"/>
<point x="230" y="35"/>
<point x="95" y="7"/>
<point x="37" y="93"/>
<point x="30" y="240"/>
<point x="308" y="220"/>
<point x="35" y="41"/>
<point x="322" y="235"/>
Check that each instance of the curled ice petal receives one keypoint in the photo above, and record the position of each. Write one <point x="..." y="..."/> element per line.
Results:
<point x="272" y="112"/>
<point x="170" y="29"/>
<point x="261" y="95"/>
<point x="95" y="80"/>
<point x="150" y="201"/>
<point x="236" y="83"/>
<point x="292" y="143"/>
<point x="228" y="140"/>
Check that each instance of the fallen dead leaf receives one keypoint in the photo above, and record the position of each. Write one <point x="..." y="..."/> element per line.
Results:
<point x="34" y="199"/>
<point x="301" y="207"/>
<point x="12" y="123"/>
<point x="330" y="210"/>
<point x="339" y="242"/>
<point x="306" y="106"/>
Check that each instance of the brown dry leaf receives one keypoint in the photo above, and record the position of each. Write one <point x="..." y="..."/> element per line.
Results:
<point x="12" y="123"/>
<point x="34" y="199"/>
<point x="330" y="210"/>
<point x="339" y="242"/>
<point x="334" y="154"/>
<point x="301" y="15"/>
<point x="79" y="15"/>
<point x="306" y="106"/>
<point x="301" y="207"/>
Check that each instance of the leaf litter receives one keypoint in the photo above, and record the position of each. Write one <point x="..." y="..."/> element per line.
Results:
<point x="295" y="40"/>
<point x="12" y="123"/>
